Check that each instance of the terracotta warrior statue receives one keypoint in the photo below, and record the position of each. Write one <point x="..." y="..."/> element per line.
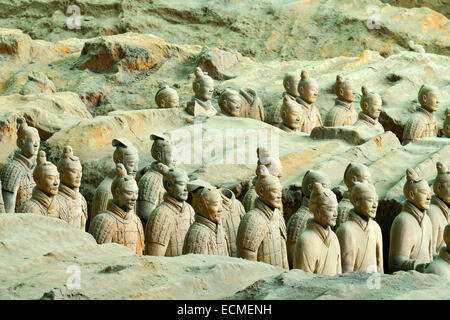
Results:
<point x="232" y="213"/>
<point x="355" y="172"/>
<point x="308" y="90"/>
<point x="73" y="206"/>
<point x="166" y="97"/>
<point x="360" y="236"/>
<point x="200" y="104"/>
<point x="298" y="221"/>
<point x="291" y="115"/>
<point x="411" y="240"/>
<point x="206" y="235"/>
<point x="230" y="103"/>
<point x="43" y="200"/>
<point x="290" y="84"/>
<point x="252" y="106"/>
<point x="371" y="109"/>
<point x="17" y="174"/>
<point x="447" y="123"/>
<point x="125" y="154"/>
<point x="118" y="223"/>
<point x="168" y="224"/>
<point x="151" y="188"/>
<point x="343" y="113"/>
<point x="423" y="123"/>
<point x="317" y="248"/>
<point x="439" y="211"/>
<point x="441" y="264"/>
<point x="262" y="231"/>
<point x="273" y="164"/>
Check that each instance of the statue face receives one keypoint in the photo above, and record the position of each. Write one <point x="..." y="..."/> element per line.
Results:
<point x="291" y="85"/>
<point x="328" y="213"/>
<point x="30" y="145"/>
<point x="443" y="190"/>
<point x="347" y="93"/>
<point x="213" y="203"/>
<point x="420" y="195"/>
<point x="125" y="196"/>
<point x="177" y="188"/>
<point x="293" y="117"/>
<point x="309" y="92"/>
<point x="271" y="195"/>
<point x="131" y="163"/>
<point x="430" y="101"/>
<point x="232" y="106"/>
<point x="373" y="107"/>
<point x="71" y="175"/>
<point x="367" y="204"/>
<point x="48" y="181"/>
<point x="204" y="89"/>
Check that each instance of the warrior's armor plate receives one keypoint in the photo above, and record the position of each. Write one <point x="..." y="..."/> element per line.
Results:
<point x="310" y="116"/>
<point x="206" y="237"/>
<point x="17" y="177"/>
<point x="342" y="114"/>
<point x="251" y="105"/>
<point x="232" y="213"/>
<point x="296" y="225"/>
<point x="40" y="203"/>
<point x="262" y="230"/>
<point x="118" y="226"/>
<point x="421" y="124"/>
<point x="73" y="207"/>
<point x="168" y="225"/>
<point x="151" y="187"/>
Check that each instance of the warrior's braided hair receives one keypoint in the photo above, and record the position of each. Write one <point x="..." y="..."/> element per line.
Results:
<point x="67" y="158"/>
<point x="200" y="77"/>
<point x="23" y="130"/>
<point x="412" y="178"/>
<point x="160" y="141"/>
<point x="341" y="83"/>
<point x="305" y="80"/>
<point x="121" y="177"/>
<point x="41" y="165"/>
<point x="320" y="196"/>
<point x="123" y="148"/>
<point x="368" y="96"/>
<point x="264" y="177"/>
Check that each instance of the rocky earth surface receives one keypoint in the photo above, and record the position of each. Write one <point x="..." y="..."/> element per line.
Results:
<point x="106" y="73"/>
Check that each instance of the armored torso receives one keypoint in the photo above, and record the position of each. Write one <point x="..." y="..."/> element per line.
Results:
<point x="232" y="213"/>
<point x="421" y="124"/>
<point x="310" y="116"/>
<point x="40" y="203"/>
<point x="151" y="187"/>
<point x="118" y="226"/>
<point x="344" y="208"/>
<point x="73" y="207"/>
<point x="296" y="225"/>
<point x="168" y="225"/>
<point x="17" y="177"/>
<point x="342" y="114"/>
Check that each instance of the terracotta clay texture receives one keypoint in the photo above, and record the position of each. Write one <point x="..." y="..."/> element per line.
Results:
<point x="252" y="105"/>
<point x="441" y="264"/>
<point x="343" y="113"/>
<point x="371" y="110"/>
<point x="230" y="103"/>
<point x="308" y="90"/>
<point x="167" y="97"/>
<point x="291" y="115"/>
<point x="203" y="87"/>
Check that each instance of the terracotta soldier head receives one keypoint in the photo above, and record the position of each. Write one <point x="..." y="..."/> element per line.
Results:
<point x="126" y="154"/>
<point x="441" y="185"/>
<point x="311" y="177"/>
<point x="272" y="164"/>
<point x="70" y="169"/>
<point x="447" y="123"/>
<point x="364" y="199"/>
<point x="344" y="89"/>
<point x="230" y="102"/>
<point x="124" y="189"/>
<point x="429" y="97"/>
<point x="308" y="88"/>
<point x="166" y="97"/>
<point x="203" y="85"/>
<point x="416" y="190"/>
<point x="163" y="150"/>
<point x="370" y="103"/>
<point x="356" y="172"/>
<point x="46" y="175"/>
<point x="28" y="139"/>
<point x="290" y="113"/>
<point x="323" y="204"/>
<point x="175" y="182"/>
<point x="207" y="201"/>
<point x="268" y="188"/>
<point x="290" y="83"/>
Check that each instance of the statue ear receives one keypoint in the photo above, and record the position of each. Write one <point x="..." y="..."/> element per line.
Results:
<point x="341" y="91"/>
<point x="424" y="98"/>
<point x="300" y="89"/>
<point x="411" y="194"/>
<point x="163" y="103"/>
<point x="159" y="156"/>
<point x="366" y="105"/>
<point x="260" y="191"/>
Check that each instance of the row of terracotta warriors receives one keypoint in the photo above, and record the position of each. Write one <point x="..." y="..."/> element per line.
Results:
<point x="298" y="112"/>
<point x="216" y="222"/>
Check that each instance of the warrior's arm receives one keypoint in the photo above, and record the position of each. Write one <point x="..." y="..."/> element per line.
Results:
<point x="9" y="199"/>
<point x="304" y="256"/>
<point x="379" y="249"/>
<point x="246" y="254"/>
<point x="348" y="254"/>
<point x="400" y="248"/>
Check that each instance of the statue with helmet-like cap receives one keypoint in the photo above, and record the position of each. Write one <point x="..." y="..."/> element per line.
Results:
<point x="72" y="203"/>
<point x="169" y="222"/>
<point x="371" y="109"/>
<point x="343" y="113"/>
<point x="118" y="223"/>
<point x="230" y="103"/>
<point x="291" y="115"/>
<point x="42" y="201"/>
<point x="203" y="87"/>
<point x="411" y="238"/>
<point x="17" y="174"/>
<point x="167" y="97"/>
<point x="308" y="90"/>
<point x="125" y="154"/>
<point x="151" y="188"/>
<point x="317" y="248"/>
<point x="206" y="235"/>
<point x="298" y="221"/>
<point x="262" y="231"/>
